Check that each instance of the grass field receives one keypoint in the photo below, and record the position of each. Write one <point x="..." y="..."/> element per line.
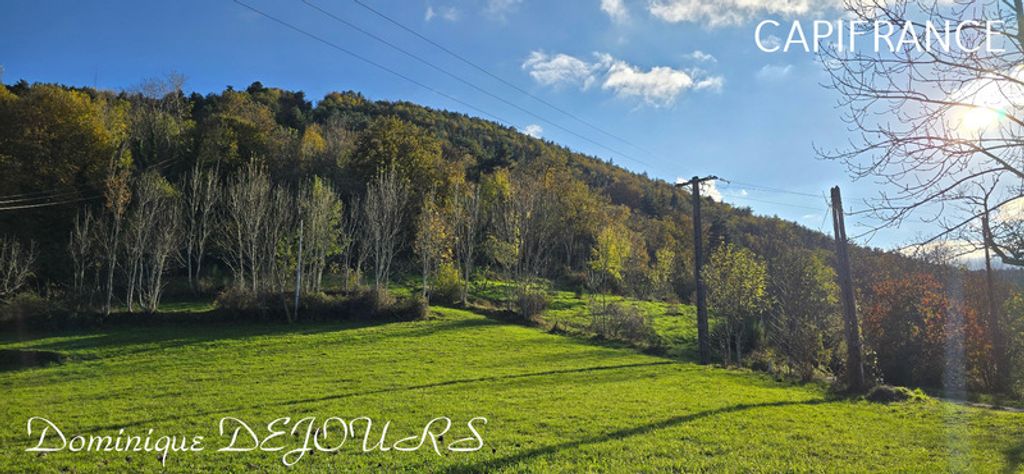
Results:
<point x="553" y="403"/>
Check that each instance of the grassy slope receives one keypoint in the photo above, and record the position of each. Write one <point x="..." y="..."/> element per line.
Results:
<point x="554" y="403"/>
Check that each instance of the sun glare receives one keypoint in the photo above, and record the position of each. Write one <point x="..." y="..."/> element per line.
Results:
<point x="979" y="119"/>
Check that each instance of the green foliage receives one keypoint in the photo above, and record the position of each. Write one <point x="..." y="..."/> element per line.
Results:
<point x="737" y="293"/>
<point x="448" y="284"/>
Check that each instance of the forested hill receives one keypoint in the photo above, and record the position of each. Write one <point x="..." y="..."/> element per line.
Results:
<point x="59" y="144"/>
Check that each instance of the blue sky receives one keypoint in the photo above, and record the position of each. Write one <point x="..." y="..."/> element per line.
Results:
<point x="682" y="79"/>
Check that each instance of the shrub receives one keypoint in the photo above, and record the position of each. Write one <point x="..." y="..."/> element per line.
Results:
<point x="448" y="285"/>
<point x="240" y="303"/>
<point x="890" y="394"/>
<point x="620" y="322"/>
<point x="411" y="308"/>
<point x="29" y="310"/>
<point x="530" y="303"/>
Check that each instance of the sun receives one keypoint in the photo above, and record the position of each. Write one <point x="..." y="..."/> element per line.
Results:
<point x="979" y="119"/>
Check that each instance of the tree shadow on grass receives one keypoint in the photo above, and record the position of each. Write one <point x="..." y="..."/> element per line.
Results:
<point x="157" y="338"/>
<point x="392" y="390"/>
<point x="513" y="459"/>
<point x="1014" y="458"/>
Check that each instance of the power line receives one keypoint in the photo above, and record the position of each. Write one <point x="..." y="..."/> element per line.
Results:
<point x="795" y="206"/>
<point x="496" y="77"/>
<point x="761" y="187"/>
<point x="46" y="205"/>
<point x="471" y="84"/>
<point x="372" y="63"/>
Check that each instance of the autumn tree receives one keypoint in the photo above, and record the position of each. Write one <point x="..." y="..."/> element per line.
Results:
<point x="737" y="295"/>
<point x="906" y="323"/>
<point x="433" y="240"/>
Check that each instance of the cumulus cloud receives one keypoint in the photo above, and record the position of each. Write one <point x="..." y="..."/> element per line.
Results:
<point x="533" y="130"/>
<point x="559" y="69"/>
<point x="701" y="56"/>
<point x="500" y="8"/>
<point x="659" y="86"/>
<point x="444" y="13"/>
<point x="616" y="10"/>
<point x="718" y="13"/>
<point x="774" y="72"/>
<point x="710" y="189"/>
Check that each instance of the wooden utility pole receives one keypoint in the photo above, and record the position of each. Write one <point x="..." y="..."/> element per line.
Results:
<point x="703" y="347"/>
<point x="854" y="357"/>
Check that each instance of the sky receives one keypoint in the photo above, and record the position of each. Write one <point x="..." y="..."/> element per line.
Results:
<point x="673" y="88"/>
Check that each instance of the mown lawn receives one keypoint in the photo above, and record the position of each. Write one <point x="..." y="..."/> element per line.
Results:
<point x="553" y="403"/>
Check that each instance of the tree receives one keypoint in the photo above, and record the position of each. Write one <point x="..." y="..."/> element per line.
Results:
<point x="200" y="198"/>
<point x="321" y="213"/>
<point x="608" y="258"/>
<point x="433" y="239"/>
<point x="466" y="220"/>
<point x="906" y="322"/>
<point x="247" y="203"/>
<point x="385" y="212"/>
<point x="931" y="122"/>
<point x="152" y="239"/>
<point x="803" y="322"/>
<point x="16" y="262"/>
<point x="736" y="281"/>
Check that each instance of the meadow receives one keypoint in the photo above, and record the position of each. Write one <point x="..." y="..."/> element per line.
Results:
<point x="553" y="403"/>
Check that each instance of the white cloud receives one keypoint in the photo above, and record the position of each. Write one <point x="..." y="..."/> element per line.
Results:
<point x="616" y="10"/>
<point x="772" y="72"/>
<point x="701" y="56"/>
<point x="710" y="189"/>
<point x="559" y="69"/>
<point x="659" y="86"/>
<point x="772" y="42"/>
<point x="718" y="13"/>
<point x="445" y="13"/>
<point x="500" y="8"/>
<point x="533" y="130"/>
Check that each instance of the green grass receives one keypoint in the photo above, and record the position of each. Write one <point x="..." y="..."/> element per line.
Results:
<point x="554" y="403"/>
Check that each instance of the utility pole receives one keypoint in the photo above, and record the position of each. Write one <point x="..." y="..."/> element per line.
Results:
<point x="298" y="273"/>
<point x="854" y="358"/>
<point x="703" y="348"/>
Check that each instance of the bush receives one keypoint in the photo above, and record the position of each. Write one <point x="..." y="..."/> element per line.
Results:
<point x="407" y="309"/>
<point x="448" y="285"/>
<point x="623" y="323"/>
<point x="29" y="310"/>
<point x="530" y="304"/>
<point x="890" y="394"/>
<point x="240" y="303"/>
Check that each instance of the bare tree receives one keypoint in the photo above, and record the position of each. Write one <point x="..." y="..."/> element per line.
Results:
<point x="117" y="195"/>
<point x="931" y="120"/>
<point x="385" y="212"/>
<point x="16" y="262"/>
<point x="941" y="126"/>
<point x="153" y="237"/>
<point x="82" y="247"/>
<point x="201" y="195"/>
<point x="352" y="230"/>
<point x="245" y="207"/>
<point x="466" y="222"/>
